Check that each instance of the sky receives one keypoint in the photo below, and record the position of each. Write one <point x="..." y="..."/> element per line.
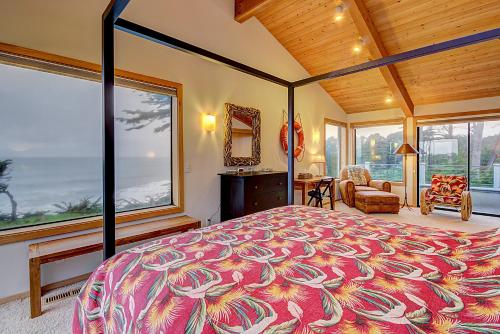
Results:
<point x="49" y="115"/>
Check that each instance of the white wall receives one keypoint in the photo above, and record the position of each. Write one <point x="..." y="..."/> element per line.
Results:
<point x="72" y="28"/>
<point x="428" y="109"/>
<point x="458" y="106"/>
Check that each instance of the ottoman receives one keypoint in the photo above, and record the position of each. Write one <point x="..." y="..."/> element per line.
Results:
<point x="376" y="202"/>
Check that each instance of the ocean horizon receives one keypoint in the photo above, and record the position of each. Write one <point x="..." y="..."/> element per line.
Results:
<point x="38" y="183"/>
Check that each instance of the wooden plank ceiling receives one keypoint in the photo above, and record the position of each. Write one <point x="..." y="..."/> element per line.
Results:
<point x="308" y="30"/>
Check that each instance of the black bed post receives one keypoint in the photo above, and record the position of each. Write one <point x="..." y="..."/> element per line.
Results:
<point x="108" y="136"/>
<point x="109" y="17"/>
<point x="291" y="145"/>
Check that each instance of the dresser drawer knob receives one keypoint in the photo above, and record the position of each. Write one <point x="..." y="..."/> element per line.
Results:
<point x="281" y="183"/>
<point x="256" y="187"/>
<point x="279" y="198"/>
<point x="255" y="203"/>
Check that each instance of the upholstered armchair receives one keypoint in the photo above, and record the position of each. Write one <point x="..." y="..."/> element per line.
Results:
<point x="358" y="178"/>
<point x="447" y="190"/>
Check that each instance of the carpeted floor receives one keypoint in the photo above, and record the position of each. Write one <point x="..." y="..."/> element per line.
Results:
<point x="56" y="318"/>
<point x="447" y="220"/>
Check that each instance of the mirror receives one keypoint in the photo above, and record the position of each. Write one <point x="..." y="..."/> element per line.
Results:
<point x="241" y="136"/>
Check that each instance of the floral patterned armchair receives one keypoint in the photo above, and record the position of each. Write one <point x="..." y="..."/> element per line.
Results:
<point x="447" y="190"/>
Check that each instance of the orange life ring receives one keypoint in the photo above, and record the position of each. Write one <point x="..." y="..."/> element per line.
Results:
<point x="284" y="138"/>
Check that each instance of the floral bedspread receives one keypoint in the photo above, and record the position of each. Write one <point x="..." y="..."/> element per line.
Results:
<point x="299" y="269"/>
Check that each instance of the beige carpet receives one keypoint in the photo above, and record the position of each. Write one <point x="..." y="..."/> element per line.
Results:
<point x="56" y="318"/>
<point x="439" y="219"/>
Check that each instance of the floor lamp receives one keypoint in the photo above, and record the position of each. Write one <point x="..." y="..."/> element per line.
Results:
<point x="405" y="150"/>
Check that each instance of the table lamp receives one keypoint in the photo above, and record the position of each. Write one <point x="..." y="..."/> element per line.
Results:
<point x="318" y="159"/>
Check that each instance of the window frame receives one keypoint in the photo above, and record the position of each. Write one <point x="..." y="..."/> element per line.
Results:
<point x="450" y="118"/>
<point x="343" y="137"/>
<point x="63" y="227"/>
<point x="370" y="124"/>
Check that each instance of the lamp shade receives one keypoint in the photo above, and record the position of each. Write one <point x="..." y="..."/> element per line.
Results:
<point x="406" y="149"/>
<point x="209" y="122"/>
<point x="318" y="158"/>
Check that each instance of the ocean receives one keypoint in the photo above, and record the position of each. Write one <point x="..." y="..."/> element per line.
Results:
<point x="39" y="183"/>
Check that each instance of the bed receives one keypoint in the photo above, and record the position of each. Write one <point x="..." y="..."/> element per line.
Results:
<point x="299" y="269"/>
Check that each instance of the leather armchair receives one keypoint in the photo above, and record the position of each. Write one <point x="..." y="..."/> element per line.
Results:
<point x="380" y="185"/>
<point x="348" y="188"/>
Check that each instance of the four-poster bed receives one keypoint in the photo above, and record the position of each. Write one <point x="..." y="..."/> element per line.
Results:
<point x="111" y="20"/>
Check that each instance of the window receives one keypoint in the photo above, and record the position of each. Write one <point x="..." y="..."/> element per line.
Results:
<point x="464" y="148"/>
<point x="334" y="134"/>
<point x="50" y="151"/>
<point x="374" y="148"/>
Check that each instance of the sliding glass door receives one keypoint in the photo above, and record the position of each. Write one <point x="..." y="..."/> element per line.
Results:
<point x="485" y="166"/>
<point x="471" y="149"/>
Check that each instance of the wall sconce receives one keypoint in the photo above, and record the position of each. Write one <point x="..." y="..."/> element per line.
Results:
<point x="209" y="122"/>
<point x="316" y="136"/>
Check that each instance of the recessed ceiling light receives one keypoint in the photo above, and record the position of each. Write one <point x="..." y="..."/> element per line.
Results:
<point x="388" y="100"/>
<point x="356" y="48"/>
<point x="339" y="13"/>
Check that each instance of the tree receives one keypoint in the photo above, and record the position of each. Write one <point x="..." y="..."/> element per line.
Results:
<point x="332" y="156"/>
<point x="4" y="185"/>
<point x="160" y="114"/>
<point x="476" y="140"/>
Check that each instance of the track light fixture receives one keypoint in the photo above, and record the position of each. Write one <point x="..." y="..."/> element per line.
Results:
<point x="358" y="46"/>
<point x="339" y="13"/>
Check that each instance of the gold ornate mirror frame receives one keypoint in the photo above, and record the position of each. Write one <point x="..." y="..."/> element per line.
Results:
<point x="231" y="111"/>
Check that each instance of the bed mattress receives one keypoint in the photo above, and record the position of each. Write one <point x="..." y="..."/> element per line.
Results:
<point x="299" y="269"/>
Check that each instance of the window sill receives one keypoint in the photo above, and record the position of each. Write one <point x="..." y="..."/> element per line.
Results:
<point x="53" y="229"/>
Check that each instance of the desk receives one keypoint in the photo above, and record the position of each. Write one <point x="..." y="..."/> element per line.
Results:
<point x="304" y="185"/>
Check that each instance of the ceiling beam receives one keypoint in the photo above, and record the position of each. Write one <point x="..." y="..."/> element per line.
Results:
<point x="245" y="9"/>
<point x="367" y="29"/>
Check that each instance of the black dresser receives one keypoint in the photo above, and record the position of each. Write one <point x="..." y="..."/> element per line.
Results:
<point x="245" y="193"/>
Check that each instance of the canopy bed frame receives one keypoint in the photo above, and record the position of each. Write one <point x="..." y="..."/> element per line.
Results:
<point x="111" y="20"/>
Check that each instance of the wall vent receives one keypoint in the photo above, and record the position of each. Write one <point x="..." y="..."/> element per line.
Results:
<point x="62" y="295"/>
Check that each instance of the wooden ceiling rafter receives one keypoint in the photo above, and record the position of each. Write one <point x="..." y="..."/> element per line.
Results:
<point x="367" y="29"/>
<point x="245" y="9"/>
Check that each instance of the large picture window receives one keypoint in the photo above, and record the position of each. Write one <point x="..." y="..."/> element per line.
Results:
<point x="50" y="151"/>
<point x="471" y="149"/>
<point x="374" y="148"/>
<point x="334" y="143"/>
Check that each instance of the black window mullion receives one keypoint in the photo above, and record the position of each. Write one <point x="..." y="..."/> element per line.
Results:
<point x="468" y="156"/>
<point x="418" y="167"/>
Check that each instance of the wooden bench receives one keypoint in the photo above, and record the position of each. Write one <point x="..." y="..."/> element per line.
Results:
<point x="58" y="249"/>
